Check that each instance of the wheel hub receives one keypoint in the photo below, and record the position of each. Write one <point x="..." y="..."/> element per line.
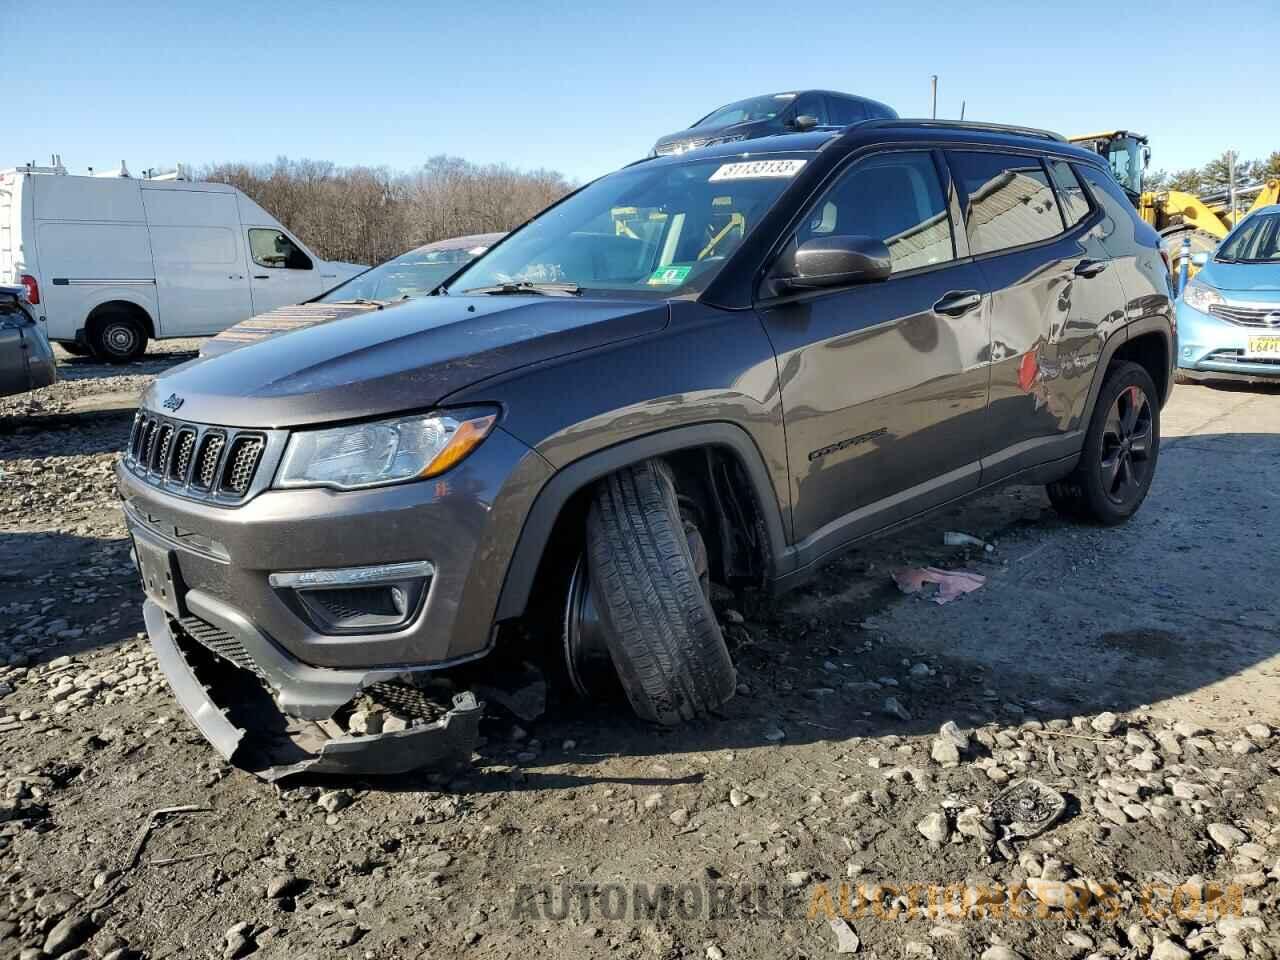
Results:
<point x="1126" y="445"/>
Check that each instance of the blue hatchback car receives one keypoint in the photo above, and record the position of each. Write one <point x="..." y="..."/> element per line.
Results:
<point x="1229" y="315"/>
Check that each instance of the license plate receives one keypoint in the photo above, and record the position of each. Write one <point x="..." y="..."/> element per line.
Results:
<point x="161" y="580"/>
<point x="1268" y="347"/>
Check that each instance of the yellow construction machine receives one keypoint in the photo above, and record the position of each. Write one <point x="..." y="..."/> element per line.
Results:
<point x="1175" y="214"/>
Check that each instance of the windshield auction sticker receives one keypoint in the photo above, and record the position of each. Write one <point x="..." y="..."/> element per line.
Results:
<point x="757" y="169"/>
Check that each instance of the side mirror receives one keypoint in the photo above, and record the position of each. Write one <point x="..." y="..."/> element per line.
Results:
<point x="1199" y="259"/>
<point x="839" y="261"/>
<point x="804" y="122"/>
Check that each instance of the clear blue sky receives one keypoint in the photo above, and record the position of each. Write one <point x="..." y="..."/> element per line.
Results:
<point x="584" y="88"/>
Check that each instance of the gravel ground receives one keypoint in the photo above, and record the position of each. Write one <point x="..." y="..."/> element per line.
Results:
<point x="1134" y="674"/>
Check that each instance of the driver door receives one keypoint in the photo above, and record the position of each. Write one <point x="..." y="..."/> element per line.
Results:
<point x="884" y="384"/>
<point x="281" y="272"/>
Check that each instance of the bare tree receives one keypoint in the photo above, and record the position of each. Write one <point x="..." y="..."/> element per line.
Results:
<point x="370" y="214"/>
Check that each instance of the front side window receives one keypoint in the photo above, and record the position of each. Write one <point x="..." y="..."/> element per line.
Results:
<point x="811" y="105"/>
<point x="894" y="197"/>
<point x="271" y="248"/>
<point x="657" y="231"/>
<point x="1257" y="240"/>
<point x="1009" y="202"/>
<point x="1075" y="203"/>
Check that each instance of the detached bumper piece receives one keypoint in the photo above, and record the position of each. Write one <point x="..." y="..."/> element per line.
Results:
<point x="234" y="694"/>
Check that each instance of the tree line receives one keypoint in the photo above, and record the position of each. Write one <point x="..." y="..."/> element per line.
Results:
<point x="1216" y="174"/>
<point x="370" y="214"/>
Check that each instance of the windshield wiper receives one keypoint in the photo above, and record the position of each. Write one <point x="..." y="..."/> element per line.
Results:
<point x="364" y="301"/>
<point x="515" y="287"/>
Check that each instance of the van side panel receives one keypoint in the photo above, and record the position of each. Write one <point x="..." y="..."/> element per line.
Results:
<point x="199" y="253"/>
<point x="87" y="198"/>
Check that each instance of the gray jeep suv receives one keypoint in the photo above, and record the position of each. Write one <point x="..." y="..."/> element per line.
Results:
<point x="724" y="366"/>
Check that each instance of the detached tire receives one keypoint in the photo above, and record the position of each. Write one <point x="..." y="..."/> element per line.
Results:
<point x="1120" y="451"/>
<point x="662" y="633"/>
<point x="118" y="337"/>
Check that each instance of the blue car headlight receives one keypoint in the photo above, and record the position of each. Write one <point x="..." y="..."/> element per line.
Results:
<point x="1200" y="296"/>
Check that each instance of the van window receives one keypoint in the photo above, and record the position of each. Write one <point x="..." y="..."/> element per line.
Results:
<point x="271" y="248"/>
<point x="1075" y="202"/>
<point x="1008" y="200"/>
<point x="844" y="111"/>
<point x="894" y="197"/>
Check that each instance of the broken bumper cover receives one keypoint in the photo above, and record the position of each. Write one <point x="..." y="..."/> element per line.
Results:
<point x="248" y="728"/>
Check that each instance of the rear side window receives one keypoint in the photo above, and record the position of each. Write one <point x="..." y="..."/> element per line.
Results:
<point x="844" y="112"/>
<point x="894" y="197"/>
<point x="1075" y="202"/>
<point x="1008" y="200"/>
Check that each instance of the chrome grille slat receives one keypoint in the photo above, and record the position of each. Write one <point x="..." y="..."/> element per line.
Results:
<point x="223" y="465"/>
<point x="1248" y="316"/>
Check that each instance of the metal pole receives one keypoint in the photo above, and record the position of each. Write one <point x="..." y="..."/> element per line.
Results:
<point x="1231" y="182"/>
<point x="933" y="82"/>
<point x="1184" y="263"/>
<point x="962" y="105"/>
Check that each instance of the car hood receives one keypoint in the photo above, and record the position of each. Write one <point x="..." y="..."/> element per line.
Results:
<point x="692" y="138"/>
<point x="1245" y="277"/>
<point x="388" y="361"/>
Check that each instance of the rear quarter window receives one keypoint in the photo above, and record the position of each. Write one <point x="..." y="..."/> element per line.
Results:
<point x="1008" y="201"/>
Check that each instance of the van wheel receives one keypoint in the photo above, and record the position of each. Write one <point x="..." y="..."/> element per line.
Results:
<point x="118" y="338"/>
<point x="651" y="596"/>
<point x="1120" y="451"/>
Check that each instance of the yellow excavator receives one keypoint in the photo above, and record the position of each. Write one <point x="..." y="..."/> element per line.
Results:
<point x="1175" y="214"/>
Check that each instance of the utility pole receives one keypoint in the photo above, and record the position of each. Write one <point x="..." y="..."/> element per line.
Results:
<point x="933" y="81"/>
<point x="962" y="105"/>
<point x="1231" y="182"/>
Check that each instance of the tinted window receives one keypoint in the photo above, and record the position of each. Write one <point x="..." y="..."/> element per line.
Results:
<point x="1075" y="202"/>
<point x="757" y="108"/>
<point x="271" y="248"/>
<point x="1008" y="200"/>
<point x="811" y="105"/>
<point x="844" y="111"/>
<point x="894" y="197"/>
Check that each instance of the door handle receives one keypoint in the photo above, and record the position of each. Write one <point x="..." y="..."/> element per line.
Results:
<point x="957" y="303"/>
<point x="1089" y="268"/>
<point x="261" y="276"/>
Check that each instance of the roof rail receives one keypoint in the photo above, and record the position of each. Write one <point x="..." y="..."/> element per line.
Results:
<point x="961" y="125"/>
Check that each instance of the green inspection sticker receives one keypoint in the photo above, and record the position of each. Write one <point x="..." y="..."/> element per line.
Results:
<point x="669" y="276"/>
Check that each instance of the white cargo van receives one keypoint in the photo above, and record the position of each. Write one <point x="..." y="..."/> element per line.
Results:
<point x="110" y="262"/>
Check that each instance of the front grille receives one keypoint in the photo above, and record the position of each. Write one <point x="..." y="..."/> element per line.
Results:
<point x="220" y="464"/>
<point x="220" y="642"/>
<point x="1267" y="317"/>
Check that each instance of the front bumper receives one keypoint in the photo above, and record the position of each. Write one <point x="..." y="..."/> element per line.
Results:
<point x="1208" y="345"/>
<point x="238" y="718"/>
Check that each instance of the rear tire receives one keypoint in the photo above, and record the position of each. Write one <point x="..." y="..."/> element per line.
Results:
<point x="661" y="631"/>
<point x="1120" y="451"/>
<point x="118" y="337"/>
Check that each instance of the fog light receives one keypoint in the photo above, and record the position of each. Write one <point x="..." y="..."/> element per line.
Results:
<point x="357" y="600"/>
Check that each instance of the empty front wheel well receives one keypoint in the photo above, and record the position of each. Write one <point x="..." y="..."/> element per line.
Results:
<point x="1151" y="351"/>
<point x="113" y="307"/>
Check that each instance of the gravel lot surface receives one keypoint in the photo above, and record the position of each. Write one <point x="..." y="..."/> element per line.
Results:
<point x="1133" y="673"/>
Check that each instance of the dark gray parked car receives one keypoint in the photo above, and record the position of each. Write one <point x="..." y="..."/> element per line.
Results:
<point x="26" y="358"/>
<point x="711" y="367"/>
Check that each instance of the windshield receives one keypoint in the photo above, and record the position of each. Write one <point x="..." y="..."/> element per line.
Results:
<point x="757" y="108"/>
<point x="414" y="274"/>
<point x="1257" y="240"/>
<point x="650" y="230"/>
<point x="1126" y="159"/>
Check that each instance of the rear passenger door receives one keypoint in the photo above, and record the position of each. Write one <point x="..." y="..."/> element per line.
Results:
<point x="1053" y="299"/>
<point x="884" y="384"/>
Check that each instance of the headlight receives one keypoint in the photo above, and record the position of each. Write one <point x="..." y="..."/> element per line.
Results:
<point x="387" y="451"/>
<point x="1200" y="296"/>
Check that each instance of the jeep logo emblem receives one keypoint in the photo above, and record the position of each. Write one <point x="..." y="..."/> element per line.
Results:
<point x="173" y="403"/>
